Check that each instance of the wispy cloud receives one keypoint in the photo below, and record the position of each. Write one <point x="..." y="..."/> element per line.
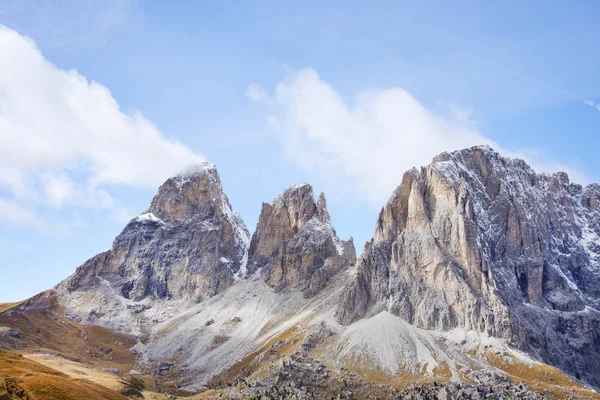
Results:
<point x="564" y="94"/>
<point x="255" y="92"/>
<point x="15" y="214"/>
<point x="591" y="103"/>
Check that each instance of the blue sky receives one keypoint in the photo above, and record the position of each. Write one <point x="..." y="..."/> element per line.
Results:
<point x="107" y="99"/>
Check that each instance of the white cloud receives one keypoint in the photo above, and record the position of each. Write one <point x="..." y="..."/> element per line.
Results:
<point x="18" y="215"/>
<point x="62" y="137"/>
<point x="591" y="103"/>
<point x="15" y="181"/>
<point x="14" y="213"/>
<point x="255" y="92"/>
<point x="365" y="147"/>
<point x="58" y="188"/>
<point x="368" y="145"/>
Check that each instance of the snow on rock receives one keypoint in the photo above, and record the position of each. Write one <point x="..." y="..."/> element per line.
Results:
<point x="239" y="315"/>
<point x="148" y="217"/>
<point x="339" y="244"/>
<point x="173" y="251"/>
<point x="250" y="313"/>
<point x="474" y="253"/>
<point x="198" y="169"/>
<point x="480" y="242"/>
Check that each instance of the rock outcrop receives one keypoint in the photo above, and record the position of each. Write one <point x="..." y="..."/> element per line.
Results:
<point x="296" y="244"/>
<point x="481" y="242"/>
<point x="301" y="376"/>
<point x="188" y="245"/>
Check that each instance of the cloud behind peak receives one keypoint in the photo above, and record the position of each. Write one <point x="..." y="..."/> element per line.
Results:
<point x="62" y="137"/>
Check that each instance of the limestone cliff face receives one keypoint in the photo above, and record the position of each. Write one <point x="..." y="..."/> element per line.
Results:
<point x="188" y="245"/>
<point x="296" y="244"/>
<point x="481" y="242"/>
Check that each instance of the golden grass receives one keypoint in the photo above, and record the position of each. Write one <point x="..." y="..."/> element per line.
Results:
<point x="50" y="331"/>
<point x="8" y="306"/>
<point x="81" y="351"/>
<point x="103" y="378"/>
<point x="542" y="378"/>
<point x="35" y="381"/>
<point x="77" y="370"/>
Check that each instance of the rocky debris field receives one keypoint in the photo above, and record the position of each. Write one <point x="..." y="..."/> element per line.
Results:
<point x="302" y="377"/>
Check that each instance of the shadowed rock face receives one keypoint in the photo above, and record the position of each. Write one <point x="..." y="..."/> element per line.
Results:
<point x="481" y="242"/>
<point x="188" y="245"/>
<point x="295" y="242"/>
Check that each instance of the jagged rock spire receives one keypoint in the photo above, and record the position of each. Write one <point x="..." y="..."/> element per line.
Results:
<point x="322" y="209"/>
<point x="295" y="243"/>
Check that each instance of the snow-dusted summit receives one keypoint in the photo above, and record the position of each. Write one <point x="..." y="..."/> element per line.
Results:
<point x="188" y="245"/>
<point x="479" y="242"/>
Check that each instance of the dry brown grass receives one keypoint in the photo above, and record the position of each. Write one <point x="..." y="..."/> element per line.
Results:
<point x="50" y="331"/>
<point x="543" y="378"/>
<point x="29" y="379"/>
<point x="8" y="306"/>
<point x="103" y="378"/>
<point x="82" y="351"/>
<point x="77" y="370"/>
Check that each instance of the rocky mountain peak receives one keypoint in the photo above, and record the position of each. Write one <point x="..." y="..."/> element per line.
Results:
<point x="188" y="245"/>
<point x="296" y="244"/>
<point x="478" y="241"/>
<point x="298" y="201"/>
<point x="196" y="192"/>
<point x="472" y="243"/>
<point x="322" y="208"/>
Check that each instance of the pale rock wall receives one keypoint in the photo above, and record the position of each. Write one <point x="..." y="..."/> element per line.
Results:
<point x="296" y="244"/>
<point x="481" y="242"/>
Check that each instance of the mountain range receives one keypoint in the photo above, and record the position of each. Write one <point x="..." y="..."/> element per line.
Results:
<point x="482" y="280"/>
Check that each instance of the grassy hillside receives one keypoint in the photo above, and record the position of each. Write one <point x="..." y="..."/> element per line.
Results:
<point x="48" y="330"/>
<point x="22" y="378"/>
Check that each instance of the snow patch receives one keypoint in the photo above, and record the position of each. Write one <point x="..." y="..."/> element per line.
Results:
<point x="590" y="241"/>
<point x="339" y="244"/>
<point x="149" y="217"/>
<point x="298" y="186"/>
<point x="197" y="169"/>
